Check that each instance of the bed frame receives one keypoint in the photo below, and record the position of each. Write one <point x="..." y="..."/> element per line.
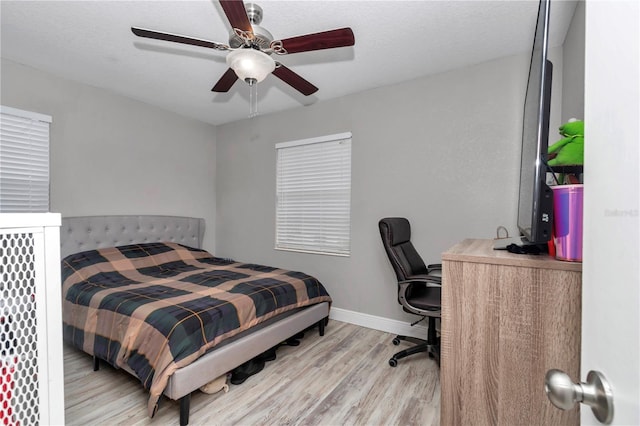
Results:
<point x="91" y="232"/>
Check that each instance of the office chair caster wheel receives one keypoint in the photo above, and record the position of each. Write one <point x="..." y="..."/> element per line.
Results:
<point x="396" y="341"/>
<point x="393" y="362"/>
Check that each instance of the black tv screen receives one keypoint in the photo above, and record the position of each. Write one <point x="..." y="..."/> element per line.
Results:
<point x="535" y="199"/>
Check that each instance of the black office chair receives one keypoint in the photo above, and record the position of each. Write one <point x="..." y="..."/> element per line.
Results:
<point x="418" y="285"/>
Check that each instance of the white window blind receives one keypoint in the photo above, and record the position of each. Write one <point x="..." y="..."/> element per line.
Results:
<point x="313" y="208"/>
<point x="24" y="161"/>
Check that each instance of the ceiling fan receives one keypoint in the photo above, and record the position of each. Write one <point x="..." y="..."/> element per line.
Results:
<point x="251" y="46"/>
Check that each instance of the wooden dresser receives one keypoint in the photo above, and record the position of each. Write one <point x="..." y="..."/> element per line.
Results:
<point x="506" y="320"/>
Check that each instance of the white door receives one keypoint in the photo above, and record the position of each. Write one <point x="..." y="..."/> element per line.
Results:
<point x="611" y="278"/>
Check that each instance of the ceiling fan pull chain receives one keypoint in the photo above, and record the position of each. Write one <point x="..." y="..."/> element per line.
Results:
<point x="253" y="100"/>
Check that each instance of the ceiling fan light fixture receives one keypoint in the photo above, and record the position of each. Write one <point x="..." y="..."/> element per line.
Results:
<point x="250" y="65"/>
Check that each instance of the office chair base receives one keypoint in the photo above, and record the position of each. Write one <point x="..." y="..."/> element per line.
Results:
<point x="433" y="350"/>
<point x="396" y="340"/>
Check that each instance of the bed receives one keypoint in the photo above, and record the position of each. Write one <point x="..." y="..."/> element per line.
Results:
<point x="124" y="275"/>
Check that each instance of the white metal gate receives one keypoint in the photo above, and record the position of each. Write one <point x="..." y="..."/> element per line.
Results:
<point x="18" y="330"/>
<point x="31" y="364"/>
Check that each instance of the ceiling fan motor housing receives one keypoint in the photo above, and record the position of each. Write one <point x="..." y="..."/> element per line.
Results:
<point x="262" y="37"/>
<point x="254" y="13"/>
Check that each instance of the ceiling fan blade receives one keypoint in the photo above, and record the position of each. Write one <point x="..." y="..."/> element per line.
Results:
<point x="142" y="32"/>
<point x="324" y="40"/>
<point x="294" y="80"/>
<point x="237" y="15"/>
<point x="226" y="81"/>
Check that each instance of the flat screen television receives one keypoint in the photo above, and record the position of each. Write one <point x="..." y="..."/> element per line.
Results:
<point x="535" y="199"/>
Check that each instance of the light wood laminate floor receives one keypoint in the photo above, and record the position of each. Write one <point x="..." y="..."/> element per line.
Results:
<point x="342" y="378"/>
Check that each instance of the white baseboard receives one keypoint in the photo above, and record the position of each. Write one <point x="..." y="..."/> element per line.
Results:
<point x="379" y="323"/>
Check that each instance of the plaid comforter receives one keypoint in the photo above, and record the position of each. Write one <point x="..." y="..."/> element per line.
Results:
<point x="157" y="307"/>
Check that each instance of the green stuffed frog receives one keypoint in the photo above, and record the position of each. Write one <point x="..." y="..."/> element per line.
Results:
<point x="569" y="150"/>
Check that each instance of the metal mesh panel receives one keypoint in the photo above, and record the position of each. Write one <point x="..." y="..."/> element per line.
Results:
<point x="18" y="334"/>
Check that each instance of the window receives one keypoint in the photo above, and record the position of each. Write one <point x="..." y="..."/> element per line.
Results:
<point x="24" y="161"/>
<point x="313" y="207"/>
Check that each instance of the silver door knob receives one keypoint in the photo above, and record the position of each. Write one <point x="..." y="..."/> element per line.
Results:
<point x="596" y="393"/>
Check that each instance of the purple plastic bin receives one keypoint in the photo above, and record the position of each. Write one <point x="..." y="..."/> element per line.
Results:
<point x="567" y="221"/>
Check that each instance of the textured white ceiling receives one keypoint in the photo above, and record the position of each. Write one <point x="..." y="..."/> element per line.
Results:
<point x="91" y="42"/>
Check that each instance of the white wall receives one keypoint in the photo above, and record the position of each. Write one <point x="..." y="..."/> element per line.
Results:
<point x="573" y="71"/>
<point x="443" y="151"/>
<point x="114" y="155"/>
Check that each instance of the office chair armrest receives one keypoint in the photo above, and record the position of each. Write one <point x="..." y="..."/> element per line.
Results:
<point x="427" y="279"/>
<point x="434" y="267"/>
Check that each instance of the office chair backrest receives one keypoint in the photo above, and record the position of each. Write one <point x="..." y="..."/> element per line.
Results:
<point x="396" y="239"/>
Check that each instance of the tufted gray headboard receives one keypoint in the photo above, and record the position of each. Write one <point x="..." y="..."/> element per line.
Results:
<point x="90" y="232"/>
